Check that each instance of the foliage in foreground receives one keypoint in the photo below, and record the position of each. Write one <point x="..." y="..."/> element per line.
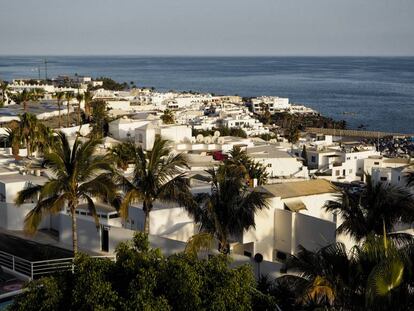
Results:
<point x="144" y="279"/>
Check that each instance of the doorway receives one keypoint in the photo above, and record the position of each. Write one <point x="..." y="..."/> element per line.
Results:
<point x="105" y="239"/>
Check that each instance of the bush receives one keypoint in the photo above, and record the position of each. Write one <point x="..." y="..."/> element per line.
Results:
<point x="143" y="279"/>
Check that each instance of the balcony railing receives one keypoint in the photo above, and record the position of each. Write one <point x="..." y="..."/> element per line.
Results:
<point x="38" y="269"/>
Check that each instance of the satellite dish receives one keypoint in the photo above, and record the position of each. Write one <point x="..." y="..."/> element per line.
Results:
<point x="220" y="140"/>
<point x="208" y="140"/>
<point x="214" y="139"/>
<point x="216" y="134"/>
<point x="200" y="138"/>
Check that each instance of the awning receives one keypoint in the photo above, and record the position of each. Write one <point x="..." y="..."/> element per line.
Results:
<point x="295" y="205"/>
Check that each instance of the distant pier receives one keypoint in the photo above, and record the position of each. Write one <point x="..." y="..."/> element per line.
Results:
<point x="354" y="133"/>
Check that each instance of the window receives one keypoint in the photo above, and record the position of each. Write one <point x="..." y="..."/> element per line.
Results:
<point x="350" y="171"/>
<point x="384" y="178"/>
<point x="140" y="138"/>
<point x="376" y="163"/>
<point x="269" y="165"/>
<point x="313" y="159"/>
<point x="337" y="172"/>
<point x="348" y="158"/>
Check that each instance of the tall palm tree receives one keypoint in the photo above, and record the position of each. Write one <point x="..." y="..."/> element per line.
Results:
<point x="79" y="98"/>
<point x="158" y="175"/>
<point x="375" y="275"/>
<point x="252" y="170"/>
<point x="59" y="98"/>
<point x="88" y="98"/>
<point x="123" y="154"/>
<point x="23" y="98"/>
<point x="99" y="118"/>
<point x="230" y="208"/>
<point x="377" y="206"/>
<point x="3" y="87"/>
<point x="168" y="117"/>
<point x="79" y="175"/>
<point x="68" y="97"/>
<point x="26" y="132"/>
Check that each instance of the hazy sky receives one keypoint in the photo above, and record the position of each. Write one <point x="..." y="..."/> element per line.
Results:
<point x="207" y="27"/>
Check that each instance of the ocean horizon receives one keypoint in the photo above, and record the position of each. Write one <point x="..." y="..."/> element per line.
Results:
<point x="374" y="91"/>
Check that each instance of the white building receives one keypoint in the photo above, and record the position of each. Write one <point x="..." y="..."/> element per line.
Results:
<point x="295" y="217"/>
<point x="279" y="163"/>
<point x="124" y="128"/>
<point x="337" y="163"/>
<point x="145" y="135"/>
<point x="245" y="122"/>
<point x="271" y="103"/>
<point x="389" y="170"/>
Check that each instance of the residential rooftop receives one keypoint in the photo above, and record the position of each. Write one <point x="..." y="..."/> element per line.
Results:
<point x="299" y="189"/>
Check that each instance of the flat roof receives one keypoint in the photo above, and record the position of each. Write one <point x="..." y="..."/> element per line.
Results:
<point x="11" y="178"/>
<point x="299" y="188"/>
<point x="397" y="160"/>
<point x="100" y="208"/>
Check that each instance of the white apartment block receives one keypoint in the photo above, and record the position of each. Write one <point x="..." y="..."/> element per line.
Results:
<point x="272" y="104"/>
<point x="279" y="163"/>
<point x="295" y="217"/>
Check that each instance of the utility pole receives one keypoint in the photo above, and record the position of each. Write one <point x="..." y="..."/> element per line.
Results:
<point x="45" y="69"/>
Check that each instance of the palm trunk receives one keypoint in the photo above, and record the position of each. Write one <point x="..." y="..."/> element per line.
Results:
<point x="223" y="248"/>
<point x="147" y="208"/>
<point x="28" y="148"/>
<point x="67" y="116"/>
<point x="79" y="114"/>
<point x="74" y="231"/>
<point x="147" y="222"/>
<point x="59" y="119"/>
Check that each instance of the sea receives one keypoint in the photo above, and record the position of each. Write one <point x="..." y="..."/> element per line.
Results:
<point x="376" y="93"/>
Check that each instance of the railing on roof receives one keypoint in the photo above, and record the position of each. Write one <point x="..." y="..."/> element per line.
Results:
<point x="40" y="268"/>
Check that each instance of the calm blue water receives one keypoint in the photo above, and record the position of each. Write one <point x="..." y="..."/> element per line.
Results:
<point x="379" y="90"/>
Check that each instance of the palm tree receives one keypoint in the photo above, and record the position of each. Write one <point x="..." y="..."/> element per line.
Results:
<point x="99" y="118"/>
<point x="87" y="97"/>
<point x="230" y="208"/>
<point x="79" y="98"/>
<point x="68" y="96"/>
<point x="378" y="205"/>
<point x="3" y="88"/>
<point x="375" y="275"/>
<point x="79" y="175"/>
<point x="59" y="97"/>
<point x="123" y="154"/>
<point x="252" y="170"/>
<point x="157" y="176"/>
<point x="27" y="131"/>
<point x="410" y="179"/>
<point x="168" y="117"/>
<point x="23" y="98"/>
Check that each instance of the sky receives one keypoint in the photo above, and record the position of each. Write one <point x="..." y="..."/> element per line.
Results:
<point x="207" y="27"/>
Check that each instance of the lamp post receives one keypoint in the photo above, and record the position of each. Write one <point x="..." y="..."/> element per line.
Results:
<point x="258" y="258"/>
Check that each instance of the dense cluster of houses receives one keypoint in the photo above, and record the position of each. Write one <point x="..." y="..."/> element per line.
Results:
<point x="301" y="176"/>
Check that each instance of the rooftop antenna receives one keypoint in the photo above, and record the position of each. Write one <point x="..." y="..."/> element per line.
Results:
<point x="45" y="60"/>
